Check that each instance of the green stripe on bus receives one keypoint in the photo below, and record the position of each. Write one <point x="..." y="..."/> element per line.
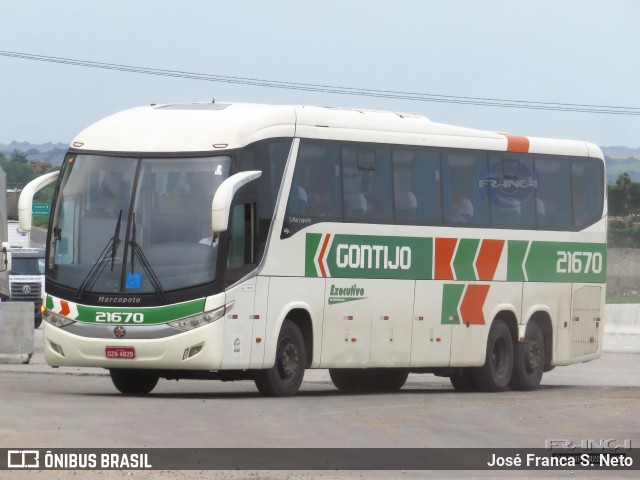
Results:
<point x="517" y="249"/>
<point x="463" y="261"/>
<point x="152" y="315"/>
<point x="451" y="295"/>
<point x="371" y="256"/>
<point x="311" y="247"/>
<point x="566" y="262"/>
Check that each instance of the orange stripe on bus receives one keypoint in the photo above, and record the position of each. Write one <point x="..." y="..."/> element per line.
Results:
<point x="517" y="144"/>
<point x="488" y="258"/>
<point x="445" y="247"/>
<point x="472" y="303"/>
<point x="64" y="308"/>
<point x="323" y="250"/>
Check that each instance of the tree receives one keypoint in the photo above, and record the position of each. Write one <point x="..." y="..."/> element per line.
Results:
<point x="19" y="157"/>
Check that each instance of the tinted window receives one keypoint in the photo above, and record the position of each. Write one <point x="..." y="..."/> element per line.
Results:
<point x="410" y="185"/>
<point x="416" y="185"/>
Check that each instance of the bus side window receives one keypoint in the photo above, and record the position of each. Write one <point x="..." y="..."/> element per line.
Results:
<point x="315" y="189"/>
<point x="242" y="237"/>
<point x="554" y="180"/>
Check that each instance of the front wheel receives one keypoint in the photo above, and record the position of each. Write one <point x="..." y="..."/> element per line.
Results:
<point x="285" y="377"/>
<point x="529" y="359"/>
<point x="133" y="382"/>
<point x="495" y="374"/>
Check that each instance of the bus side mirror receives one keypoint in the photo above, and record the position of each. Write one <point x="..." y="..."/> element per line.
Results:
<point x="25" y="202"/>
<point x="5" y="257"/>
<point x="221" y="204"/>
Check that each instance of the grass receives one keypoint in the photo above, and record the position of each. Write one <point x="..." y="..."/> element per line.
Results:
<point x="622" y="299"/>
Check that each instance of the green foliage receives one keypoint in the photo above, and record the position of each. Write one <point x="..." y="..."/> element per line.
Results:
<point x="612" y="298"/>
<point x="624" y="213"/>
<point x="621" y="235"/>
<point x="20" y="171"/>
<point x="19" y="157"/>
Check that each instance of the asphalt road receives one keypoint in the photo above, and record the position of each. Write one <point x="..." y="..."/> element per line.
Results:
<point x="42" y="407"/>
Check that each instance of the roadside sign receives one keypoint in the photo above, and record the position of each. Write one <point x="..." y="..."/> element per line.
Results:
<point x="41" y="209"/>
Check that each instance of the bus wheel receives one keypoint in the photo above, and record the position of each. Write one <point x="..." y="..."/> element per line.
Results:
<point x="529" y="360"/>
<point x="346" y="380"/>
<point x="133" y="382"/>
<point x="285" y="377"/>
<point x="495" y="374"/>
<point x="368" y="380"/>
<point x="387" y="379"/>
<point x="462" y="381"/>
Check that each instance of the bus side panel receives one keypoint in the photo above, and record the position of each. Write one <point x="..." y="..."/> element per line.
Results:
<point x="478" y="305"/>
<point x="346" y="329"/>
<point x="238" y="326"/>
<point x="260" y="322"/>
<point x="582" y="338"/>
<point x="431" y="335"/>
<point x="285" y="295"/>
<point x="391" y="322"/>
<point x="555" y="300"/>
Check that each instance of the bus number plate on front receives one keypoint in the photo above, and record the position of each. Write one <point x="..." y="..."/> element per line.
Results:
<point x="120" y="352"/>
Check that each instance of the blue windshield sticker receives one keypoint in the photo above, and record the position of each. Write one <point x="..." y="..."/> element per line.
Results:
<point x="134" y="280"/>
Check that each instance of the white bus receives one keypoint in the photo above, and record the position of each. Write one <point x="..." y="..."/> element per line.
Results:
<point x="239" y="241"/>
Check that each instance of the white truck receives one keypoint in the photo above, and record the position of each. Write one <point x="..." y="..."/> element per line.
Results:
<point x="17" y="237"/>
<point x="26" y="278"/>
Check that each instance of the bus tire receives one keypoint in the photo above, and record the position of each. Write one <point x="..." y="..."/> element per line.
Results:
<point x="285" y="377"/>
<point x="529" y="360"/>
<point x="346" y="379"/>
<point x="495" y="374"/>
<point x="385" y="379"/>
<point x="368" y="380"/>
<point x="462" y="381"/>
<point x="133" y="382"/>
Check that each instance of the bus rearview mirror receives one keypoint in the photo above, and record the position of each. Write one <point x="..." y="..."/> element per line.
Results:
<point x="25" y="202"/>
<point x="221" y="204"/>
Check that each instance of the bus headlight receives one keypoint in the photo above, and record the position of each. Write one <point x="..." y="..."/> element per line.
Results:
<point x="55" y="319"/>
<point x="199" y="320"/>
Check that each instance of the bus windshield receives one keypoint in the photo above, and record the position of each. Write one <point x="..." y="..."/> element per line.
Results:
<point x="135" y="225"/>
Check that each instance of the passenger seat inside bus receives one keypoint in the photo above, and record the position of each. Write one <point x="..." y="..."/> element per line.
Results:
<point x="297" y="202"/>
<point x="355" y="205"/>
<point x="406" y="206"/>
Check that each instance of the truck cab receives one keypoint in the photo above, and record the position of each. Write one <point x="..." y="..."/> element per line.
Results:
<point x="26" y="278"/>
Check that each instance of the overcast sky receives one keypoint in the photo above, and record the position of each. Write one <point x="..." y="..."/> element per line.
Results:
<point x="563" y="51"/>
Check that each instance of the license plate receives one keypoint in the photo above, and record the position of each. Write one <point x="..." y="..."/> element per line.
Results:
<point x="120" y="352"/>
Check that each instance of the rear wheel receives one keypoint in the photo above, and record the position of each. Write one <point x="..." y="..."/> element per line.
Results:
<point x="529" y="359"/>
<point x="495" y="374"/>
<point x="462" y="380"/>
<point x="133" y="382"/>
<point x="285" y="377"/>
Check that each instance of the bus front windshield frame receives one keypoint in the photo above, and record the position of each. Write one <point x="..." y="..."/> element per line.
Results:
<point x="135" y="225"/>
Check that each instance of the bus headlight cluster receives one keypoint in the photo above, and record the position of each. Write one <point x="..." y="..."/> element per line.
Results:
<point x="199" y="320"/>
<point x="55" y="319"/>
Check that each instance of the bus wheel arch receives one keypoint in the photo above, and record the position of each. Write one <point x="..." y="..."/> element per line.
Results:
<point x="302" y="319"/>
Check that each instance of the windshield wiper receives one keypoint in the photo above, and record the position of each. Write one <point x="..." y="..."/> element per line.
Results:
<point x="136" y="251"/>
<point x="98" y="267"/>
